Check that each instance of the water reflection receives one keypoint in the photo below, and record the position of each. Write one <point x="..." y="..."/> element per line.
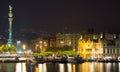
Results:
<point x="74" y="68"/>
<point x="119" y="67"/>
<point x="69" y="67"/>
<point x="21" y="67"/>
<point x="18" y="67"/>
<point x="60" y="67"/>
<point x="30" y="67"/>
<point x="6" y="67"/>
<point x="42" y="67"/>
<point x="108" y="67"/>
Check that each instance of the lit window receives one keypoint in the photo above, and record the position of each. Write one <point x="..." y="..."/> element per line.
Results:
<point x="40" y="42"/>
<point x="101" y="36"/>
<point x="69" y="43"/>
<point x="18" y="42"/>
<point x="44" y="42"/>
<point x="61" y="42"/>
<point x="94" y="37"/>
<point x="115" y="36"/>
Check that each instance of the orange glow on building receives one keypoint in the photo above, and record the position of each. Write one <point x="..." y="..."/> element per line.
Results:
<point x="89" y="48"/>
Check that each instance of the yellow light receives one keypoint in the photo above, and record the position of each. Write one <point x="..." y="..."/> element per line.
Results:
<point x="61" y="68"/>
<point x="24" y="46"/>
<point x="89" y="48"/>
<point x="62" y="42"/>
<point x="69" y="66"/>
<point x="40" y="42"/>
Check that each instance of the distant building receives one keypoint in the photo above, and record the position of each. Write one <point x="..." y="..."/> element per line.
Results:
<point x="87" y="45"/>
<point x="111" y="46"/>
<point x="90" y="47"/>
<point x="52" y="42"/>
<point x="39" y="45"/>
<point x="67" y="40"/>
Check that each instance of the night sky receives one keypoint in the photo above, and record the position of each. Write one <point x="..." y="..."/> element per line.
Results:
<point x="61" y="15"/>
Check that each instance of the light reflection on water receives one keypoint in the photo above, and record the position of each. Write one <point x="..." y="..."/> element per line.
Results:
<point x="42" y="67"/>
<point x="119" y="67"/>
<point x="60" y="67"/>
<point x="21" y="67"/>
<point x="69" y="66"/>
<point x="18" y="67"/>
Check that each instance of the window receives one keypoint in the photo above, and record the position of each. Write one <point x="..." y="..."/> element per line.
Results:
<point x="106" y="51"/>
<point x="94" y="36"/>
<point x="104" y="45"/>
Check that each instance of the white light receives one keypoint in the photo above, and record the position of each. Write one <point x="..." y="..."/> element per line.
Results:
<point x="119" y="66"/>
<point x="19" y="51"/>
<point x="61" y="67"/>
<point x="18" y="42"/>
<point x="18" y="67"/>
<point x="69" y="66"/>
<point x="42" y="67"/>
<point x="108" y="57"/>
<point x="40" y="42"/>
<point x="118" y="58"/>
<point x="61" y="42"/>
<point x="24" y="67"/>
<point x="101" y="36"/>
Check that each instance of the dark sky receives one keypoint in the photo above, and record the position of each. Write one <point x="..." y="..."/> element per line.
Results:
<point x="62" y="15"/>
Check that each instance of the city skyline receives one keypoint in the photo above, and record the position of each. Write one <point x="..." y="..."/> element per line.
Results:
<point x="59" y="16"/>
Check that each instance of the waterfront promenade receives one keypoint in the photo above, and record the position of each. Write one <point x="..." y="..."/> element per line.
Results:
<point x="49" y="59"/>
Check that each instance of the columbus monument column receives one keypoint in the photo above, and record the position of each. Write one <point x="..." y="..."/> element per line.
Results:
<point x="10" y="19"/>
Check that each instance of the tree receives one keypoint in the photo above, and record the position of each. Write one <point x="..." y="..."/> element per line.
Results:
<point x="11" y="48"/>
<point x="58" y="49"/>
<point x="66" y="48"/>
<point x="6" y="48"/>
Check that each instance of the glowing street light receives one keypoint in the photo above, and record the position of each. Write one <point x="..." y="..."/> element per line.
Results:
<point x="24" y="46"/>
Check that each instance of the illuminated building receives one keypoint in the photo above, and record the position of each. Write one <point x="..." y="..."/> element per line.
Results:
<point x="67" y="40"/>
<point x="86" y="45"/>
<point x="52" y="42"/>
<point x="39" y="45"/>
<point x="111" y="46"/>
<point x="90" y="46"/>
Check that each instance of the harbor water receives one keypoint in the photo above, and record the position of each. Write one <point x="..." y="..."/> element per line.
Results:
<point x="60" y="67"/>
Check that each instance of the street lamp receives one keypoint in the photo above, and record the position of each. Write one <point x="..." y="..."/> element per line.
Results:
<point x="62" y="43"/>
<point x="24" y="47"/>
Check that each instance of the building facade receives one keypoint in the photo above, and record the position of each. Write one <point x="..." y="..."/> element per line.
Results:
<point x="67" y="40"/>
<point x="86" y="45"/>
<point x="90" y="46"/>
<point x="111" y="46"/>
<point x="39" y="45"/>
